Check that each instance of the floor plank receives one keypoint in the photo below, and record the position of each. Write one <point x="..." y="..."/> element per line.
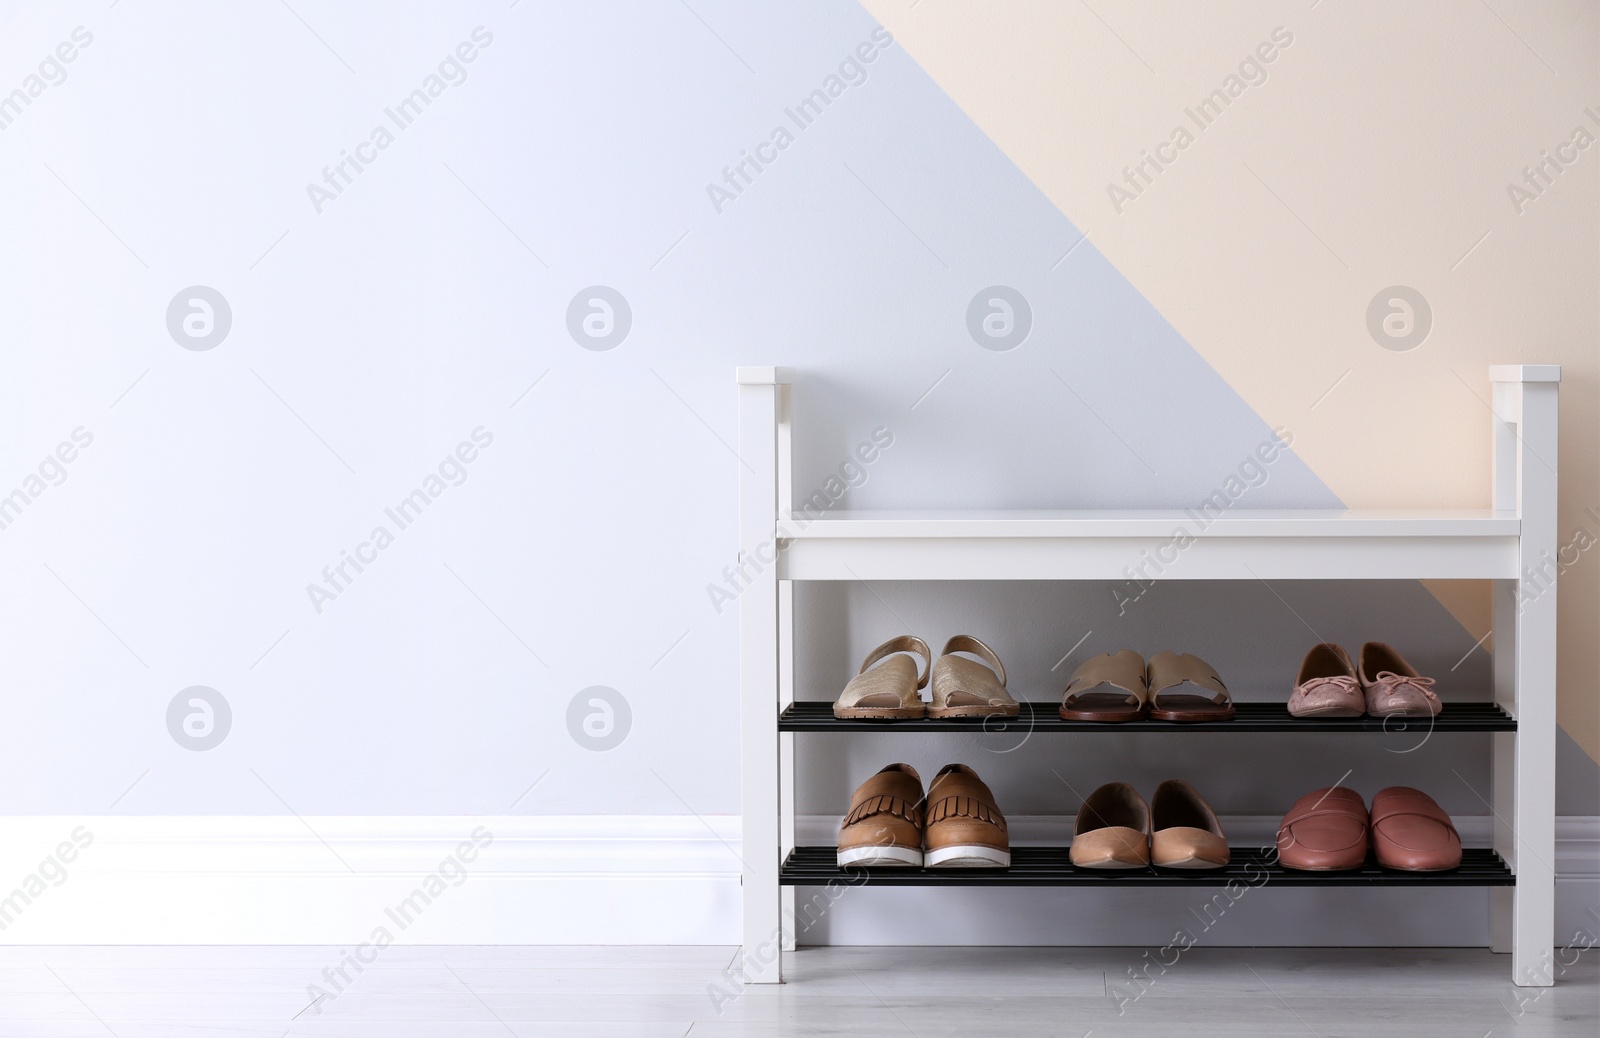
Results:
<point x="631" y="992"/>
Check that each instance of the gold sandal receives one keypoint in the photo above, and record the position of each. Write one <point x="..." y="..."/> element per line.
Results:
<point x="889" y="690"/>
<point x="968" y="688"/>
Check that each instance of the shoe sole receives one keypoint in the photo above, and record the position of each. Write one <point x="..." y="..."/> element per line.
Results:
<point x="881" y="857"/>
<point x="1183" y="716"/>
<point x="968" y="856"/>
<point x="1102" y="716"/>
<point x="974" y="711"/>
<point x="886" y="713"/>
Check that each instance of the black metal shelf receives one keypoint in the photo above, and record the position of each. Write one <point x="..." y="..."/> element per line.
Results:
<point x="1043" y="716"/>
<point x="1050" y="867"/>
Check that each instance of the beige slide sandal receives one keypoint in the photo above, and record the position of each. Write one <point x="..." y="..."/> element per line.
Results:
<point x="1110" y="687"/>
<point x="1186" y="689"/>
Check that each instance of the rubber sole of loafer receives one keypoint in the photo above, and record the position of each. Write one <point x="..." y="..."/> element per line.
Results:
<point x="881" y="857"/>
<point x="968" y="856"/>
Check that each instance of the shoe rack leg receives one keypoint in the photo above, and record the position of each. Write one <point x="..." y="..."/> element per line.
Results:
<point x="1525" y="616"/>
<point x="786" y="774"/>
<point x="1503" y="760"/>
<point x="762" y="929"/>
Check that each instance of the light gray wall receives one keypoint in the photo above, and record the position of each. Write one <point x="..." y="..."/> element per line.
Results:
<point x="430" y="299"/>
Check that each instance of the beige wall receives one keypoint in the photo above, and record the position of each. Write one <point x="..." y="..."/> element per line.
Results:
<point x="1374" y="149"/>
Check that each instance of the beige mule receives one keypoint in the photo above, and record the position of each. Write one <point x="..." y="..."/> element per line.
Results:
<point x="1185" y="833"/>
<point x="1112" y="830"/>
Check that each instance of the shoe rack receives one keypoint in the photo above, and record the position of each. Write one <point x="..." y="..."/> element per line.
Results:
<point x="1506" y="544"/>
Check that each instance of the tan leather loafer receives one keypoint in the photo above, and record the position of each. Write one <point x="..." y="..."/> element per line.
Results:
<point x="1108" y="688"/>
<point x="1393" y="687"/>
<point x="884" y="825"/>
<point x="1325" y="831"/>
<point x="1327" y="685"/>
<point x="1112" y="830"/>
<point x="965" y="829"/>
<point x="1412" y="832"/>
<point x="888" y="682"/>
<point x="1185" y="833"/>
<point x="1186" y="689"/>
<point x="968" y="688"/>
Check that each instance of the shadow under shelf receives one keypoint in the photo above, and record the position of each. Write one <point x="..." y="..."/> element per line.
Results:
<point x="1050" y="867"/>
<point x="1043" y="716"/>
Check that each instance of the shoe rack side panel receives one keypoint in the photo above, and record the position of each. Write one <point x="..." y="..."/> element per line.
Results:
<point x="1524" y="481"/>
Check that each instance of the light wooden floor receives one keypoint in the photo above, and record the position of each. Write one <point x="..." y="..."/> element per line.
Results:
<point x="467" y="992"/>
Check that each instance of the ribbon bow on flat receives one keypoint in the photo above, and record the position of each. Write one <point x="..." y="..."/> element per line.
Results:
<point x="1327" y="693"/>
<point x="1391" y="684"/>
<point x="1341" y="685"/>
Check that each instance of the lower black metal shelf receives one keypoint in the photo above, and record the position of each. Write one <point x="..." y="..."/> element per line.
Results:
<point x="1050" y="867"/>
<point x="1044" y="716"/>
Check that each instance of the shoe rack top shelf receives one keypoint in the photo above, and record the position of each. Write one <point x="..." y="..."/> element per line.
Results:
<point x="1050" y="867"/>
<point x="1037" y="716"/>
<point x="1194" y="543"/>
<point x="1255" y="522"/>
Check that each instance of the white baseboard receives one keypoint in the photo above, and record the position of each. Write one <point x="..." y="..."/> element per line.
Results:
<point x="595" y="880"/>
<point x="334" y="880"/>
